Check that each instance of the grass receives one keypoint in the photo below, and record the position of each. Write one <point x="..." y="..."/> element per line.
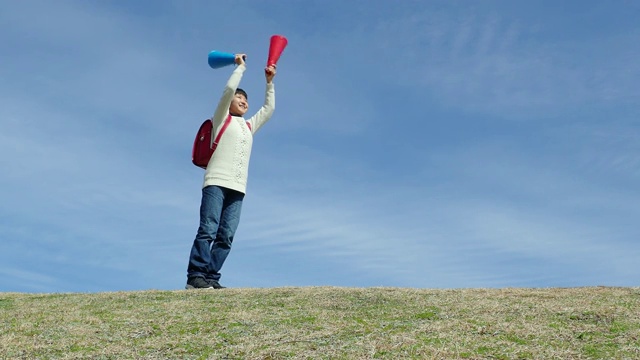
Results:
<point x="324" y="323"/>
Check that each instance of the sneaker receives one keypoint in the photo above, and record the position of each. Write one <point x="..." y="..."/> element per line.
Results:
<point x="215" y="284"/>
<point x="198" y="283"/>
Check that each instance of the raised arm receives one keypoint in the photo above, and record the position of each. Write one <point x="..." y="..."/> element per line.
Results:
<point x="266" y="111"/>
<point x="229" y="90"/>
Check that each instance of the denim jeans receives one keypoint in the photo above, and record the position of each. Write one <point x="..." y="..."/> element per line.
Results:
<point x="219" y="219"/>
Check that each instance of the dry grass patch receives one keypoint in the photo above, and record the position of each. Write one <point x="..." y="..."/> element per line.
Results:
<point x="324" y="323"/>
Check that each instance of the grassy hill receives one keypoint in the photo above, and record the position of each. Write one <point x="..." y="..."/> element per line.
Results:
<point x="324" y="323"/>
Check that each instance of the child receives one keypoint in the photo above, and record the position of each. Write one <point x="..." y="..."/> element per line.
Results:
<point x="225" y="179"/>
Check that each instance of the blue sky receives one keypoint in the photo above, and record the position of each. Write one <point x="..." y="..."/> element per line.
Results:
<point x="426" y="144"/>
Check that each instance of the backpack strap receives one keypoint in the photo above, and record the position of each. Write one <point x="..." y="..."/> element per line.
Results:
<point x="227" y="121"/>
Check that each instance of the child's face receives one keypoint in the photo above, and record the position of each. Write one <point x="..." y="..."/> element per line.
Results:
<point x="239" y="105"/>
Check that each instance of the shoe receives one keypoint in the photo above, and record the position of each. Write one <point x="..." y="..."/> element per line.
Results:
<point x="198" y="283"/>
<point x="215" y="284"/>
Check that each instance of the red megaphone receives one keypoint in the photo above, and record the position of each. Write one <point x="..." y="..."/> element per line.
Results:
<point x="276" y="47"/>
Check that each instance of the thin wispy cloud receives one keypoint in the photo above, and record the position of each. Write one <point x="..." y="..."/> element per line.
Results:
<point x="479" y="60"/>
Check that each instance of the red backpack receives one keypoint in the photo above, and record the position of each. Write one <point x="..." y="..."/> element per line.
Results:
<point x="203" y="148"/>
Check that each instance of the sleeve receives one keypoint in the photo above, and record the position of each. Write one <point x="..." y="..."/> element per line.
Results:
<point x="227" y="95"/>
<point x="264" y="114"/>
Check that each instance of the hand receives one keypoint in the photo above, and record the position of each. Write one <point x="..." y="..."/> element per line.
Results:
<point x="269" y="73"/>
<point x="240" y="58"/>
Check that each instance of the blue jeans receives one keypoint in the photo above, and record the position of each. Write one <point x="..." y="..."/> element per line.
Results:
<point x="219" y="219"/>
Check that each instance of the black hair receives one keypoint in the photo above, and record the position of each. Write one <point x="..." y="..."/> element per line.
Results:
<point x="242" y="92"/>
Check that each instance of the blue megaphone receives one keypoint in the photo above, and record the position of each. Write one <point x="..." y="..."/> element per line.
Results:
<point x="218" y="59"/>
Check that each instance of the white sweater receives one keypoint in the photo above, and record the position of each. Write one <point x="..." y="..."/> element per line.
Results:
<point x="229" y="165"/>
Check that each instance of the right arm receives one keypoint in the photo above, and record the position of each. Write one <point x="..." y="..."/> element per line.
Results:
<point x="229" y="91"/>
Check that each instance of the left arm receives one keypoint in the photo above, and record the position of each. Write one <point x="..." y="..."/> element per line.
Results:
<point x="266" y="111"/>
